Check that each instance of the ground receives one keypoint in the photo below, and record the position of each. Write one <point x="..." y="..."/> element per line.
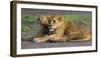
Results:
<point x="32" y="45"/>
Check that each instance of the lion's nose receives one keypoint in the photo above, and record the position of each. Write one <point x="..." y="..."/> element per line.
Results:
<point x="50" y="25"/>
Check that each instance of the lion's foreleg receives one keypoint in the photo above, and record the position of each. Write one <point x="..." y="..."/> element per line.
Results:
<point x="41" y="39"/>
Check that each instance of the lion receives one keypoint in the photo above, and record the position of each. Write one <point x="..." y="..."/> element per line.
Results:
<point x="60" y="30"/>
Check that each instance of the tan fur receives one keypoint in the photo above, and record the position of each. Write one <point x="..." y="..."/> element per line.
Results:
<point x="64" y="30"/>
<point x="69" y="31"/>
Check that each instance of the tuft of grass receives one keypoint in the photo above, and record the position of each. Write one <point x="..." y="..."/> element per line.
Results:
<point x="29" y="18"/>
<point x="25" y="29"/>
<point x="25" y="20"/>
<point x="78" y="19"/>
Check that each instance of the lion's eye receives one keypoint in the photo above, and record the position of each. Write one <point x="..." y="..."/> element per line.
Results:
<point x="54" y="21"/>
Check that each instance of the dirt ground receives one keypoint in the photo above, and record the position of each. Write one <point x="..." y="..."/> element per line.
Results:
<point x="32" y="45"/>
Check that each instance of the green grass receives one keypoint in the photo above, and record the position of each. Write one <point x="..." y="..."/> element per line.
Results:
<point x="79" y="19"/>
<point x="25" y="28"/>
<point x="29" y="18"/>
<point x="76" y="18"/>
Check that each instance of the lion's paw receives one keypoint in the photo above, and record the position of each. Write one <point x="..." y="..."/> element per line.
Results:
<point x="39" y="40"/>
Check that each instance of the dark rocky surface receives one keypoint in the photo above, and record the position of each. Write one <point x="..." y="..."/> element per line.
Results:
<point x="33" y="45"/>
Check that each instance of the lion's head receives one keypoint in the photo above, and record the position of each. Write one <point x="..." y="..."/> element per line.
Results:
<point x="55" y="22"/>
<point x="52" y="22"/>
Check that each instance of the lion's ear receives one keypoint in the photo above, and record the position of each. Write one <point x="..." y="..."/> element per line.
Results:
<point x="41" y="17"/>
<point x="61" y="18"/>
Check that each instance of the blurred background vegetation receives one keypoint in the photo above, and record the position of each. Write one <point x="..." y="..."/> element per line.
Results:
<point x="26" y="21"/>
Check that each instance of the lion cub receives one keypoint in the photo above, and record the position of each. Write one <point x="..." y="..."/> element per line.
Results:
<point x="60" y="29"/>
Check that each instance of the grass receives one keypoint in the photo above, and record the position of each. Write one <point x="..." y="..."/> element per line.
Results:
<point x="78" y="18"/>
<point x="29" y="18"/>
<point x="86" y="20"/>
<point x="25" y="29"/>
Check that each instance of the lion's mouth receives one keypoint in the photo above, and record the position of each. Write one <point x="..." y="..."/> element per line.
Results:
<point x="51" y="31"/>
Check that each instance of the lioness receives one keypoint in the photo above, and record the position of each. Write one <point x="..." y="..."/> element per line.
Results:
<point x="62" y="30"/>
